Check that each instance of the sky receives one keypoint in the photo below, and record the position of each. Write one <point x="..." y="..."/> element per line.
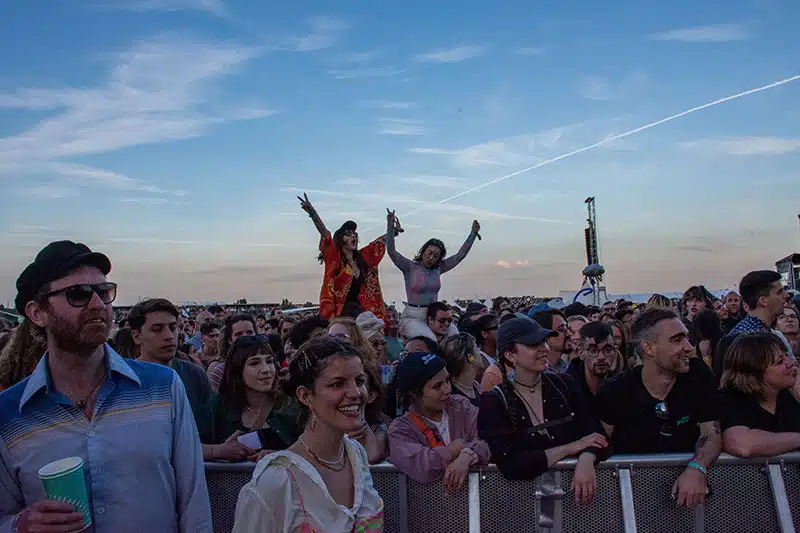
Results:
<point x="175" y="136"/>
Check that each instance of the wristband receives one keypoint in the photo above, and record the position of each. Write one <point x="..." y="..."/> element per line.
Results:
<point x="473" y="457"/>
<point x="698" y="467"/>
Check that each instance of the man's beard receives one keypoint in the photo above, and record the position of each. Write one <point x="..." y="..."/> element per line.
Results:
<point x="78" y="339"/>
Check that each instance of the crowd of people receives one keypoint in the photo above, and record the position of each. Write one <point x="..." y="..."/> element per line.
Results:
<point x="314" y="399"/>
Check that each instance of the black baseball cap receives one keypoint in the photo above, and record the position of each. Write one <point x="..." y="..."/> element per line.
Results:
<point x="53" y="262"/>
<point x="416" y="369"/>
<point x="521" y="331"/>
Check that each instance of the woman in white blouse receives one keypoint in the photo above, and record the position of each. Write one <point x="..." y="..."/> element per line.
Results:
<point x="322" y="483"/>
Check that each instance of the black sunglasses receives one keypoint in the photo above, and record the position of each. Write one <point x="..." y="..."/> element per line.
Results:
<point x="80" y="295"/>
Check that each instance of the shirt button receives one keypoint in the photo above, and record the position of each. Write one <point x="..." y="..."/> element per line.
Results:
<point x="91" y="433"/>
<point x="94" y="471"/>
<point x="100" y="510"/>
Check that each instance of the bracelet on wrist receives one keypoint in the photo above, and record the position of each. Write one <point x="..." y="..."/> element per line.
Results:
<point x="698" y="467"/>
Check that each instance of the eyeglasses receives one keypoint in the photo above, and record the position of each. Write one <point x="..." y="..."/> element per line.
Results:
<point x="80" y="295"/>
<point x="662" y="413"/>
<point x="378" y="343"/>
<point x="607" y="350"/>
<point x="341" y="337"/>
<point x="444" y="321"/>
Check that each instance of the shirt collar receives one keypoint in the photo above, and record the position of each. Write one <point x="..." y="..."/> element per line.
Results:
<point x="40" y="379"/>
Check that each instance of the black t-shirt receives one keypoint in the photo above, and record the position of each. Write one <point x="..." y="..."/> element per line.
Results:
<point x="625" y="403"/>
<point x="739" y="409"/>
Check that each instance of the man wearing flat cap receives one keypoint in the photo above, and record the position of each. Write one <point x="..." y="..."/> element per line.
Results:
<point x="129" y="422"/>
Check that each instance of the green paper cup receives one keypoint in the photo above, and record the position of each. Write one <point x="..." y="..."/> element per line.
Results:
<point x="64" y="481"/>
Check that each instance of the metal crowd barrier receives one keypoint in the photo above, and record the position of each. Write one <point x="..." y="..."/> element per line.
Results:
<point x="633" y="495"/>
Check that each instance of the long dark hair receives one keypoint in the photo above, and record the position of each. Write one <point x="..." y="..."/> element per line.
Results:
<point x="232" y="389"/>
<point x="431" y="242"/>
<point x="338" y="242"/>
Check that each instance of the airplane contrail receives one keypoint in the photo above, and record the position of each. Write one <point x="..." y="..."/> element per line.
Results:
<point x="614" y="138"/>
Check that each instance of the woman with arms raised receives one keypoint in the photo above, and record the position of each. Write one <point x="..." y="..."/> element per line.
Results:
<point x="350" y="285"/>
<point x="423" y="277"/>
<point x="322" y="483"/>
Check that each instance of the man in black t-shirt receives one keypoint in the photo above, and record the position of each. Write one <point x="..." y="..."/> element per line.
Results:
<point x="668" y="404"/>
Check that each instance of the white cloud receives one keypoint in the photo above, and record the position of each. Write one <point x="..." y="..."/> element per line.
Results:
<point x="451" y="55"/>
<point x="158" y="91"/>
<point x="369" y="72"/>
<point x="515" y="151"/>
<point x="745" y="145"/>
<point x="401" y="126"/>
<point x="717" y="33"/>
<point x="598" y="88"/>
<point x="528" y="51"/>
<point x="442" y="182"/>
<point x="49" y="192"/>
<point x="215" y="7"/>
<point x="144" y="200"/>
<point x="386" y="104"/>
<point x="420" y="204"/>
<point x="512" y="264"/>
<point x="348" y="182"/>
<point x="325" y="32"/>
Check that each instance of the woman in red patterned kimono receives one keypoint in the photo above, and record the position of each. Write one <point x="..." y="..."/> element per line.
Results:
<point x="350" y="285"/>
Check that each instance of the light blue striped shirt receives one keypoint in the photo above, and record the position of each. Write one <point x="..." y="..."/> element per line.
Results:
<point x="142" y="454"/>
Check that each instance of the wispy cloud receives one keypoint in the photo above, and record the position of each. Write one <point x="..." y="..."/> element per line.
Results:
<point x="158" y="91"/>
<point x="49" y="192"/>
<point x="386" y="104"/>
<point x="717" y="33"/>
<point x="324" y="33"/>
<point x="144" y="200"/>
<point x="744" y="146"/>
<point x="441" y="182"/>
<point x="512" y="151"/>
<point x="451" y="55"/>
<point x="348" y="182"/>
<point x="420" y="204"/>
<point x="528" y="51"/>
<point x="367" y="72"/>
<point x="598" y="88"/>
<point x="216" y="7"/>
<point x="512" y="264"/>
<point x="401" y="126"/>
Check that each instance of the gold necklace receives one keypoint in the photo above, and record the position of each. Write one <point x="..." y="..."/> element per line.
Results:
<point x="330" y="465"/>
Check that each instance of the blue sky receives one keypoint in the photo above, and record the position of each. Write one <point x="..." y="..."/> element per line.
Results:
<point x="174" y="135"/>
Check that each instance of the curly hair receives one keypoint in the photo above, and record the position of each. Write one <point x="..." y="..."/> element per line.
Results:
<point x="20" y="356"/>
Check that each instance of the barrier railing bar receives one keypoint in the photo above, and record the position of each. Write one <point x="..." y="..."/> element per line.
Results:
<point x="403" y="503"/>
<point x="700" y="519"/>
<point x="626" y="494"/>
<point x="672" y="459"/>
<point x="474" y="486"/>
<point x="558" y="505"/>
<point x="781" y="500"/>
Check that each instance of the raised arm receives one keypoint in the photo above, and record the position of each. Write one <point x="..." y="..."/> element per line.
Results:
<point x="305" y="204"/>
<point x="451" y="262"/>
<point x="399" y="260"/>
